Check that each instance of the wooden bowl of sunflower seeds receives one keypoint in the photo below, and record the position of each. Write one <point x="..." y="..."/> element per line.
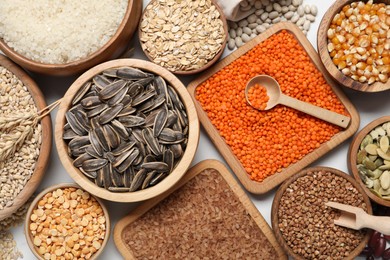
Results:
<point x="303" y="224"/>
<point x="24" y="150"/>
<point x="127" y="130"/>
<point x="185" y="37"/>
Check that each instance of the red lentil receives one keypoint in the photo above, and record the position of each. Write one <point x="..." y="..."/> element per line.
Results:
<point x="265" y="142"/>
<point x="257" y="96"/>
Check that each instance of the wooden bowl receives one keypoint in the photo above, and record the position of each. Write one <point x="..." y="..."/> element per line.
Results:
<point x="274" y="180"/>
<point x="208" y="64"/>
<point x="282" y="189"/>
<point x="352" y="156"/>
<point x="173" y="177"/>
<point x="322" y="43"/>
<point x="45" y="149"/>
<point x="29" y="236"/>
<point x="112" y="49"/>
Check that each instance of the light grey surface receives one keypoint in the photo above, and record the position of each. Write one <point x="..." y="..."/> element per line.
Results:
<point x="370" y="107"/>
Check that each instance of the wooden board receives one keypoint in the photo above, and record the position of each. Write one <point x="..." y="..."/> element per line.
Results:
<point x="44" y="151"/>
<point x="272" y="181"/>
<point x="322" y="44"/>
<point x="200" y="167"/>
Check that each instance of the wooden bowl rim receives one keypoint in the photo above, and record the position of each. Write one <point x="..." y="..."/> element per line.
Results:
<point x="210" y="62"/>
<point x="322" y="43"/>
<point x="45" y="148"/>
<point x="20" y="59"/>
<point x="63" y="186"/>
<point x="352" y="156"/>
<point x="279" y="193"/>
<point x="173" y="177"/>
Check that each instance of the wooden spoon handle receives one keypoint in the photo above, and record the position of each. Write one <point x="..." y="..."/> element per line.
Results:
<point x="318" y="112"/>
<point x="378" y="223"/>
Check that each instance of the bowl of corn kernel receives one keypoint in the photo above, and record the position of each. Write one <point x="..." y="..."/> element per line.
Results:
<point x="354" y="44"/>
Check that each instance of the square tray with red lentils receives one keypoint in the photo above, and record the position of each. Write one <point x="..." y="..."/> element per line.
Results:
<point x="263" y="148"/>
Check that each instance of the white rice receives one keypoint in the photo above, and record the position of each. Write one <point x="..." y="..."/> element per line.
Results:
<point x="59" y="31"/>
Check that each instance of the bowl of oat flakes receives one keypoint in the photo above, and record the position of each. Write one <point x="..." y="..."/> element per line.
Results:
<point x="303" y="224"/>
<point x="185" y="37"/>
<point x="24" y="150"/>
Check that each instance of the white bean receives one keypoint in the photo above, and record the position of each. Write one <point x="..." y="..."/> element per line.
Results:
<point x="268" y="8"/>
<point x="301" y="21"/>
<point x="301" y="10"/>
<point x="292" y="8"/>
<point x="283" y="3"/>
<point x="260" y="28"/>
<point x="313" y="10"/>
<point x="306" y="25"/>
<point x="285" y="9"/>
<point x="243" y="23"/>
<point x="232" y="33"/>
<point x="231" y="44"/>
<point x="310" y="17"/>
<point x="233" y="25"/>
<point x="264" y="16"/>
<point x="259" y="12"/>
<point x="246" y="30"/>
<point x="259" y="21"/>
<point x="252" y="18"/>
<point x="266" y="25"/>
<point x="289" y="15"/>
<point x="307" y="9"/>
<point x="258" y="4"/>
<point x="253" y="35"/>
<point x="277" y="7"/>
<point x="304" y="32"/>
<point x="276" y="20"/>
<point x="252" y="25"/>
<point x="239" y="32"/>
<point x="296" y="2"/>
<point x="239" y="42"/>
<point x="245" y="37"/>
<point x="268" y="20"/>
<point x="273" y="15"/>
<point x="288" y="2"/>
<point x="265" y="2"/>
<point x="295" y="18"/>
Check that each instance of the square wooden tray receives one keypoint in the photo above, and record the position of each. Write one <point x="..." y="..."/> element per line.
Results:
<point x="272" y="181"/>
<point x="194" y="171"/>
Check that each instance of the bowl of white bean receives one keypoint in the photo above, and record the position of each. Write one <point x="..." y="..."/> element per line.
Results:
<point x="66" y="37"/>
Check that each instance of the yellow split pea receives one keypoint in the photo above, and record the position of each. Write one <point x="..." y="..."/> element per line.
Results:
<point x="67" y="223"/>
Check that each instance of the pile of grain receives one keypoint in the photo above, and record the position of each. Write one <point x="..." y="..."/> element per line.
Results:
<point x="15" y="171"/>
<point x="203" y="219"/>
<point x="58" y="32"/>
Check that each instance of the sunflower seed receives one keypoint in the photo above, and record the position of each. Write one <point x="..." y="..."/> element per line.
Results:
<point x="112" y="89"/>
<point x="110" y="114"/>
<point x="74" y="124"/>
<point x="131" y="121"/>
<point x="155" y="166"/>
<point x="148" y="178"/>
<point x="151" y="141"/>
<point x="101" y="81"/>
<point x="120" y="129"/>
<point x="116" y="178"/>
<point x="90" y="102"/>
<point x="131" y="73"/>
<point x="89" y="174"/>
<point x="78" y="142"/>
<point x="93" y="164"/>
<point x="138" y="180"/>
<point x="112" y="137"/>
<point x="129" y="161"/>
<point x="81" y="92"/>
<point x="97" y="110"/>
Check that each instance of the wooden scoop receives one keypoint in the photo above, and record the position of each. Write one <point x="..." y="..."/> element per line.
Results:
<point x="277" y="97"/>
<point x="356" y="218"/>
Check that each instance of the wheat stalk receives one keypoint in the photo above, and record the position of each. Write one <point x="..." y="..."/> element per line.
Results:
<point x="18" y="129"/>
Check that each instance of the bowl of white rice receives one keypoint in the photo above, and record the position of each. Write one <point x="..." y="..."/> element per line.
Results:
<point x="66" y="37"/>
